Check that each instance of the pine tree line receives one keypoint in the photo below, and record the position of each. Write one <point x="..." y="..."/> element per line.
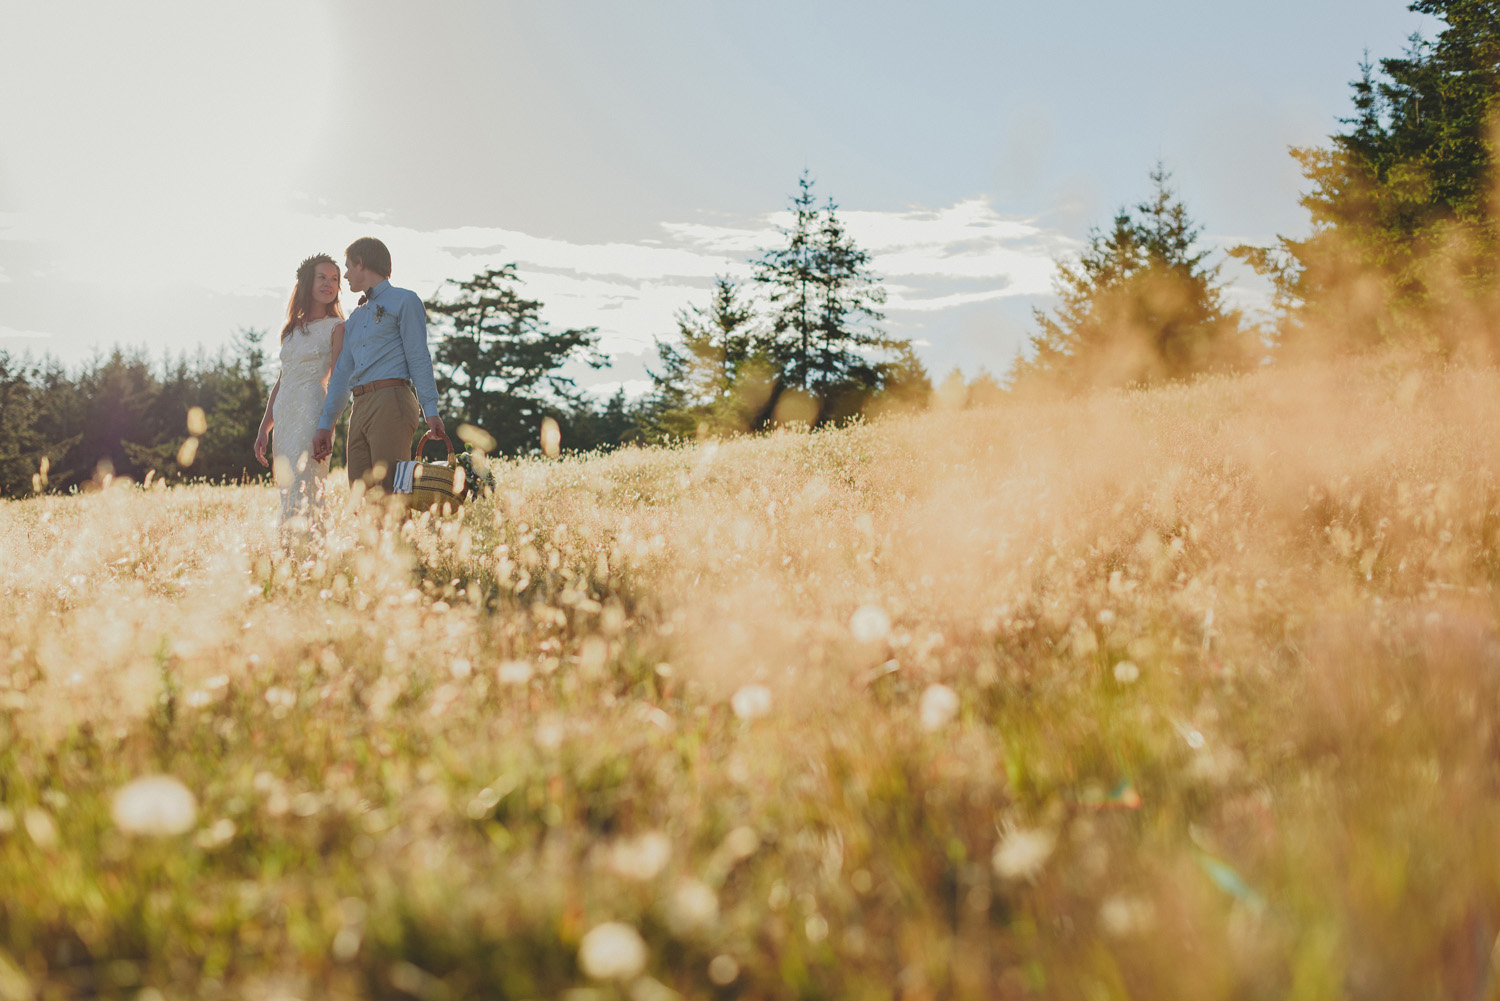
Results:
<point x="121" y="415"/>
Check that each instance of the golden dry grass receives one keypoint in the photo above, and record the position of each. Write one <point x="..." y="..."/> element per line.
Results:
<point x="1187" y="693"/>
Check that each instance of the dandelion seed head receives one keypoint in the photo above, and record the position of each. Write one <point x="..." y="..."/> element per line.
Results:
<point x="548" y="735"/>
<point x="938" y="706"/>
<point x="742" y="842"/>
<point x="40" y="827"/>
<point x="346" y="943"/>
<point x="154" y="806"/>
<point x="751" y="702"/>
<point x="693" y="906"/>
<point x="513" y="672"/>
<point x="222" y="832"/>
<point x="612" y="951"/>
<point x="642" y="857"/>
<point x="1023" y="852"/>
<point x="869" y="624"/>
<point x="551" y="437"/>
<point x="723" y="969"/>
<point x="1125" y="916"/>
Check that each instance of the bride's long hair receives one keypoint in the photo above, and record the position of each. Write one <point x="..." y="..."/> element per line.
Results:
<point x="301" y="302"/>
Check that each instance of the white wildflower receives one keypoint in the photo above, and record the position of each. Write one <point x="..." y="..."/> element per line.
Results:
<point x="1126" y="673"/>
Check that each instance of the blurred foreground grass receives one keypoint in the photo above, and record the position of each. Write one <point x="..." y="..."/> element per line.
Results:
<point x="1182" y="694"/>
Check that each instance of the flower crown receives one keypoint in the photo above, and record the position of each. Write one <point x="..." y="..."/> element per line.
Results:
<point x="305" y="269"/>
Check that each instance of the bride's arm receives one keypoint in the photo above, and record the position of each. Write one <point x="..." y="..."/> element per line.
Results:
<point x="338" y="346"/>
<point x="263" y="436"/>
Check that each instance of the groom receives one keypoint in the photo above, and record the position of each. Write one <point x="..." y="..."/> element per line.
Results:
<point x="385" y="358"/>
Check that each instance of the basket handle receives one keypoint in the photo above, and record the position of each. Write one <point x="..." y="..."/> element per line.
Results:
<point x="433" y="436"/>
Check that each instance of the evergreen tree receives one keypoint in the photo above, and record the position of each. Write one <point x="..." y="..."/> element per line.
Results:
<point x="1400" y="202"/>
<point x="616" y="423"/>
<point x="59" y="422"/>
<point x="825" y="302"/>
<point x="232" y="394"/>
<point x="717" y="376"/>
<point x="499" y="366"/>
<point x="119" y="394"/>
<point x="1141" y="304"/>
<point x="21" y="441"/>
<point x="852" y="358"/>
<point x="790" y="278"/>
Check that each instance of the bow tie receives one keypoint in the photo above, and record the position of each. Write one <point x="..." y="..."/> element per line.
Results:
<point x="364" y="298"/>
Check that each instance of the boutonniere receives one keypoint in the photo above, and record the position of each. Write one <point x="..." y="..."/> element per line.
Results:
<point x="379" y="313"/>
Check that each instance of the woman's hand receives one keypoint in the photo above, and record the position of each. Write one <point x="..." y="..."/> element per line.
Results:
<point x="261" y="441"/>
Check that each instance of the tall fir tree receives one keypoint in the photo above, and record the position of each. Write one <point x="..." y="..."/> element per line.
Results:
<point x="790" y="277"/>
<point x="498" y="364"/>
<point x="1141" y="304"/>
<point x="825" y="301"/>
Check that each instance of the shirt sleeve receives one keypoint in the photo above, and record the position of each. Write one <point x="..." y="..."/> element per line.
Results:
<point x="338" y="386"/>
<point x="418" y="356"/>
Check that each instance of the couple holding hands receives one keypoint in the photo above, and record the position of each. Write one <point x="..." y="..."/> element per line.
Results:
<point x="379" y="355"/>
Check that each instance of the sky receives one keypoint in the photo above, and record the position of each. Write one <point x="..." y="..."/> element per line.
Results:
<point x="165" y="166"/>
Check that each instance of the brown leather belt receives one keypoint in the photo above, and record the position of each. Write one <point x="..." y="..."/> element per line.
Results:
<point x="379" y="384"/>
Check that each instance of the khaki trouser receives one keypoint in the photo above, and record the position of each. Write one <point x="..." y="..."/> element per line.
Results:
<point x="381" y="427"/>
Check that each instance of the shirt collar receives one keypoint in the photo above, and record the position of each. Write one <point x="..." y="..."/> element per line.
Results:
<point x="378" y="289"/>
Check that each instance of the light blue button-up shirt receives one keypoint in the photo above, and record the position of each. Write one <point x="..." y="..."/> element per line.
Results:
<point x="386" y="338"/>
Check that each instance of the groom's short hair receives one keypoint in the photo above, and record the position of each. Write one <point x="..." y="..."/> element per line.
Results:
<point x="370" y="253"/>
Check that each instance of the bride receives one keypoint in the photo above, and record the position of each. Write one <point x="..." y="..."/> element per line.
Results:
<point x="310" y="344"/>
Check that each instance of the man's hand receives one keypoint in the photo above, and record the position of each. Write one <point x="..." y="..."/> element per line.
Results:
<point x="435" y="428"/>
<point x="322" y="445"/>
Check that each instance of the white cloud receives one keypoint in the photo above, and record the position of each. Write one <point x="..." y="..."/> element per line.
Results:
<point x="932" y="261"/>
<point x="8" y="333"/>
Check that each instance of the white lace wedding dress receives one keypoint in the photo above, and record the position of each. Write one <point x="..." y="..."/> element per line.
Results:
<point x="305" y="356"/>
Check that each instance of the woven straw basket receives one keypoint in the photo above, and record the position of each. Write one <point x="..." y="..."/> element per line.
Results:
<point x="434" y="484"/>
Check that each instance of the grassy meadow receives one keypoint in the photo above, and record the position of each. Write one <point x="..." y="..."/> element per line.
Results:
<point x="1190" y="693"/>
